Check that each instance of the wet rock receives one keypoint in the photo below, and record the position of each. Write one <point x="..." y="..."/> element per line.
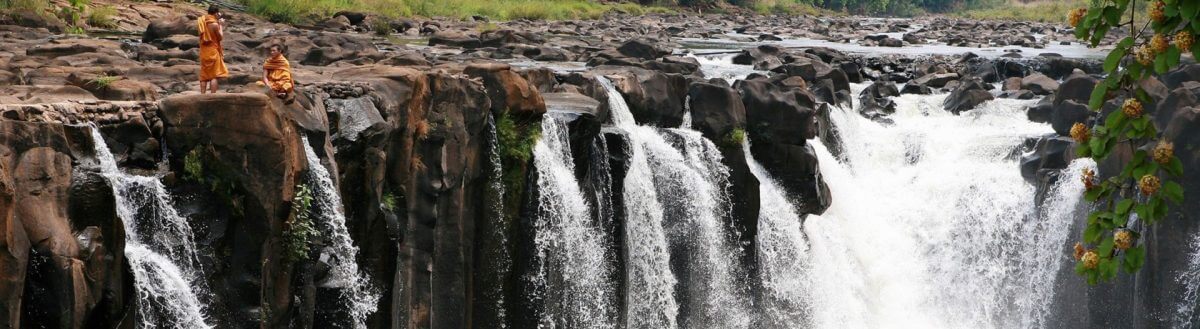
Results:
<point x="969" y="94"/>
<point x="875" y="102"/>
<point x="643" y="49"/>
<point x="717" y="110"/>
<point x="916" y="89"/>
<point x="890" y="42"/>
<point x="935" y="80"/>
<point x="1048" y="153"/>
<point x="1039" y="84"/>
<point x="655" y="98"/>
<point x="1077" y="88"/>
<point x="1066" y="114"/>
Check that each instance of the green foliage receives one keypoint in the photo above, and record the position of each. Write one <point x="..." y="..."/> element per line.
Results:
<point x="734" y="138"/>
<point x="1144" y="186"/>
<point x="297" y="237"/>
<point x="37" y="6"/>
<point x="381" y="26"/>
<point x="102" y="17"/>
<point x="73" y="12"/>
<point x="516" y="140"/>
<point x="390" y="201"/>
<point x="193" y="167"/>
<point x="104" y="81"/>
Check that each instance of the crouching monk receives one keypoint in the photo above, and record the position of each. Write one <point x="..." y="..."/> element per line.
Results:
<point x="212" y="56"/>
<point x="277" y="74"/>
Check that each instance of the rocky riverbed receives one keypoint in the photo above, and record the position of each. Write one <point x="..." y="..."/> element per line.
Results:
<point x="426" y="131"/>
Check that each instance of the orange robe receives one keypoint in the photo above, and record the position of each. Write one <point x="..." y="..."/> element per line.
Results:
<point x="279" y="74"/>
<point x="212" y="56"/>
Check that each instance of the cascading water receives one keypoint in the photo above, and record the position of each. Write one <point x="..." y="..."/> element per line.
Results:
<point x="693" y="183"/>
<point x="782" y="254"/>
<point x="158" y="245"/>
<point x="1188" y="308"/>
<point x="500" y="259"/>
<point x="340" y="252"/>
<point x="573" y="268"/>
<point x="932" y="225"/>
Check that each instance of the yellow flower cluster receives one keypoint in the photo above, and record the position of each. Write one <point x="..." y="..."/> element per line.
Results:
<point x="1123" y="239"/>
<point x="1163" y="152"/>
<point x="1184" y="40"/>
<point x="1080" y="133"/>
<point x="1159" y="43"/>
<point x="1156" y="12"/>
<point x="1090" y="259"/>
<point x="1076" y="16"/>
<point x="1145" y="55"/>
<point x="1132" y="108"/>
<point x="1149" y="184"/>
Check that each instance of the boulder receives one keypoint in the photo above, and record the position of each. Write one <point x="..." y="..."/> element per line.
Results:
<point x="935" y="80"/>
<point x="1039" y="84"/>
<point x="168" y="26"/>
<point x="1048" y="153"/>
<point x="644" y="49"/>
<point x="508" y="91"/>
<point x="454" y="39"/>
<point x="717" y="110"/>
<point x="969" y="94"/>
<point x="1067" y="114"/>
<point x="1077" y="88"/>
<point x="655" y="98"/>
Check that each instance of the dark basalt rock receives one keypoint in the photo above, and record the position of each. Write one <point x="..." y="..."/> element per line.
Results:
<point x="644" y="49"/>
<point x="969" y="94"/>
<point x="1046" y="154"/>
<point x="1039" y="84"/>
<point x="655" y="98"/>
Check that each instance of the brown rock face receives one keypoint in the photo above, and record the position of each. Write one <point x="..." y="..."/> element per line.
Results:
<point x="48" y="279"/>
<point x="508" y="91"/>
<point x="250" y="148"/>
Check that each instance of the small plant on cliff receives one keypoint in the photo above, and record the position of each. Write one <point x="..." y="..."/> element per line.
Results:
<point x="389" y="201"/>
<point x="193" y="168"/>
<point x="381" y="26"/>
<point x="1141" y="190"/>
<point x="102" y="82"/>
<point x="516" y="143"/>
<point x="297" y="237"/>
<point x="734" y="138"/>
<point x="102" y="17"/>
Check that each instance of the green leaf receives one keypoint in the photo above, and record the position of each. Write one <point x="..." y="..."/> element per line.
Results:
<point x="1123" y="207"/>
<point x="1188" y="9"/>
<point x="1173" y="55"/>
<point x="1092" y="234"/>
<point x="1112" y="15"/>
<point x="1115" y="120"/>
<point x="1134" y="259"/>
<point x="1083" y="151"/>
<point x="1160" y="64"/>
<point x="1143" y="211"/>
<point x="1196" y="46"/>
<point x="1106" y="247"/>
<point x="1125" y="43"/>
<point x="1113" y="59"/>
<point x="1099" y="34"/>
<point x="1093" y="194"/>
<point x="1175" y="167"/>
<point x="1173" y="191"/>
<point x="1098" y="94"/>
<point x="1079" y="269"/>
<point x="1121" y="220"/>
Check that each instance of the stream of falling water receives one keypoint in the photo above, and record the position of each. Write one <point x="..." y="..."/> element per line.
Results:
<point x="932" y="225"/>
<point x="340" y="252"/>
<point x="573" y="270"/>
<point x="675" y="197"/>
<point x="158" y="245"/>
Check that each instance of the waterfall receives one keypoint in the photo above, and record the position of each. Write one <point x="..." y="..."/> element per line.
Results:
<point x="782" y="254"/>
<point x="158" y="245"/>
<point x="1186" y="310"/>
<point x="573" y="269"/>
<point x="500" y="259"/>
<point x="339" y="253"/>
<point x="675" y="198"/>
<point x="932" y="225"/>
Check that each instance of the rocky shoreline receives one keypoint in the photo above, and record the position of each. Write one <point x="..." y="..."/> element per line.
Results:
<point x="404" y="129"/>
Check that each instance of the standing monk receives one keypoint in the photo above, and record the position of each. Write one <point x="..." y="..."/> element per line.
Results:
<point x="277" y="73"/>
<point x="212" y="56"/>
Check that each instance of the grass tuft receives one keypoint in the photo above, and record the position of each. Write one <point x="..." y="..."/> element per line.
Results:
<point x="102" y="17"/>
